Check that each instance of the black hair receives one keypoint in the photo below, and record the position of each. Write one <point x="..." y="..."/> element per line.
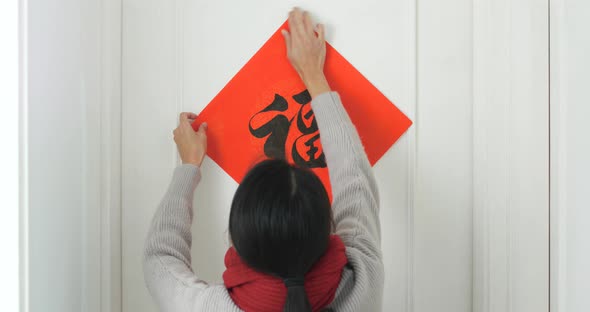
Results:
<point x="280" y="224"/>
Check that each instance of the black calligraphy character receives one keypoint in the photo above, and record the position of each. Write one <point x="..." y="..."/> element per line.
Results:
<point x="277" y="127"/>
<point x="310" y="133"/>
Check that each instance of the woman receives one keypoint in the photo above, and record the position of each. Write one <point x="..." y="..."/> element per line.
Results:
<point x="290" y="250"/>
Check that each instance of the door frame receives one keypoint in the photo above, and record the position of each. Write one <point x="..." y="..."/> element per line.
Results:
<point x="110" y="155"/>
<point x="558" y="155"/>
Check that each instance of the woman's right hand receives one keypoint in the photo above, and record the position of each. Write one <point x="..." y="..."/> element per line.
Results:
<point x="307" y="51"/>
<point x="191" y="144"/>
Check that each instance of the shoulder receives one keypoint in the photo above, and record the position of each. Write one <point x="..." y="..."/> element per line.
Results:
<point x="361" y="285"/>
<point x="215" y="298"/>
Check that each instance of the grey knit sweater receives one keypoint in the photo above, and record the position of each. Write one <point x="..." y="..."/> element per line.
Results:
<point x="167" y="258"/>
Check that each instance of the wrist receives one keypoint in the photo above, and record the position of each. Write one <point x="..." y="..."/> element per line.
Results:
<point x="316" y="83"/>
<point x="194" y="162"/>
<point x="311" y="76"/>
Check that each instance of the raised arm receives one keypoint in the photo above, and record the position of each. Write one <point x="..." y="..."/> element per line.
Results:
<point x="167" y="253"/>
<point x="355" y="197"/>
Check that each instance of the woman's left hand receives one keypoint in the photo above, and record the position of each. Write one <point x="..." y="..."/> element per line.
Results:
<point x="191" y="144"/>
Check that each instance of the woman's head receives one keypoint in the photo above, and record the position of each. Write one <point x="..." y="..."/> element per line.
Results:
<point x="280" y="221"/>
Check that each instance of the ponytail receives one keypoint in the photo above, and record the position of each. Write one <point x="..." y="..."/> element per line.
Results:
<point x="280" y="224"/>
<point x="297" y="300"/>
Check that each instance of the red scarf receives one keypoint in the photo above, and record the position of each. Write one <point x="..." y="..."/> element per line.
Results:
<point x="255" y="291"/>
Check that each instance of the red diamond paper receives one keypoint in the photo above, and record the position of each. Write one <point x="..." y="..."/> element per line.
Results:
<point x="261" y="113"/>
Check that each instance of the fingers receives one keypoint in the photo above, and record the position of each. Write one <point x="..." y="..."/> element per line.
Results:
<point x="296" y="22"/>
<point x="301" y="24"/>
<point x="187" y="116"/>
<point x="186" y="119"/>
<point x="307" y="23"/>
<point x="321" y="32"/>
<point x="292" y="21"/>
<point x="203" y="128"/>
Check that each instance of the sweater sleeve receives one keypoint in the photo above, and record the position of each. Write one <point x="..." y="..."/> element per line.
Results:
<point x="355" y="197"/>
<point x="167" y="253"/>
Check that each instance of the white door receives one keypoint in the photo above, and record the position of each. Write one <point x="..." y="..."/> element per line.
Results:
<point x="177" y="55"/>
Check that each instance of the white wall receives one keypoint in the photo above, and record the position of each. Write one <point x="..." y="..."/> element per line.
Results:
<point x="570" y="148"/>
<point x="62" y="142"/>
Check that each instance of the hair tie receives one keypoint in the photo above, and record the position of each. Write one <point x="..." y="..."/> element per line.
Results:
<point x="293" y="282"/>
